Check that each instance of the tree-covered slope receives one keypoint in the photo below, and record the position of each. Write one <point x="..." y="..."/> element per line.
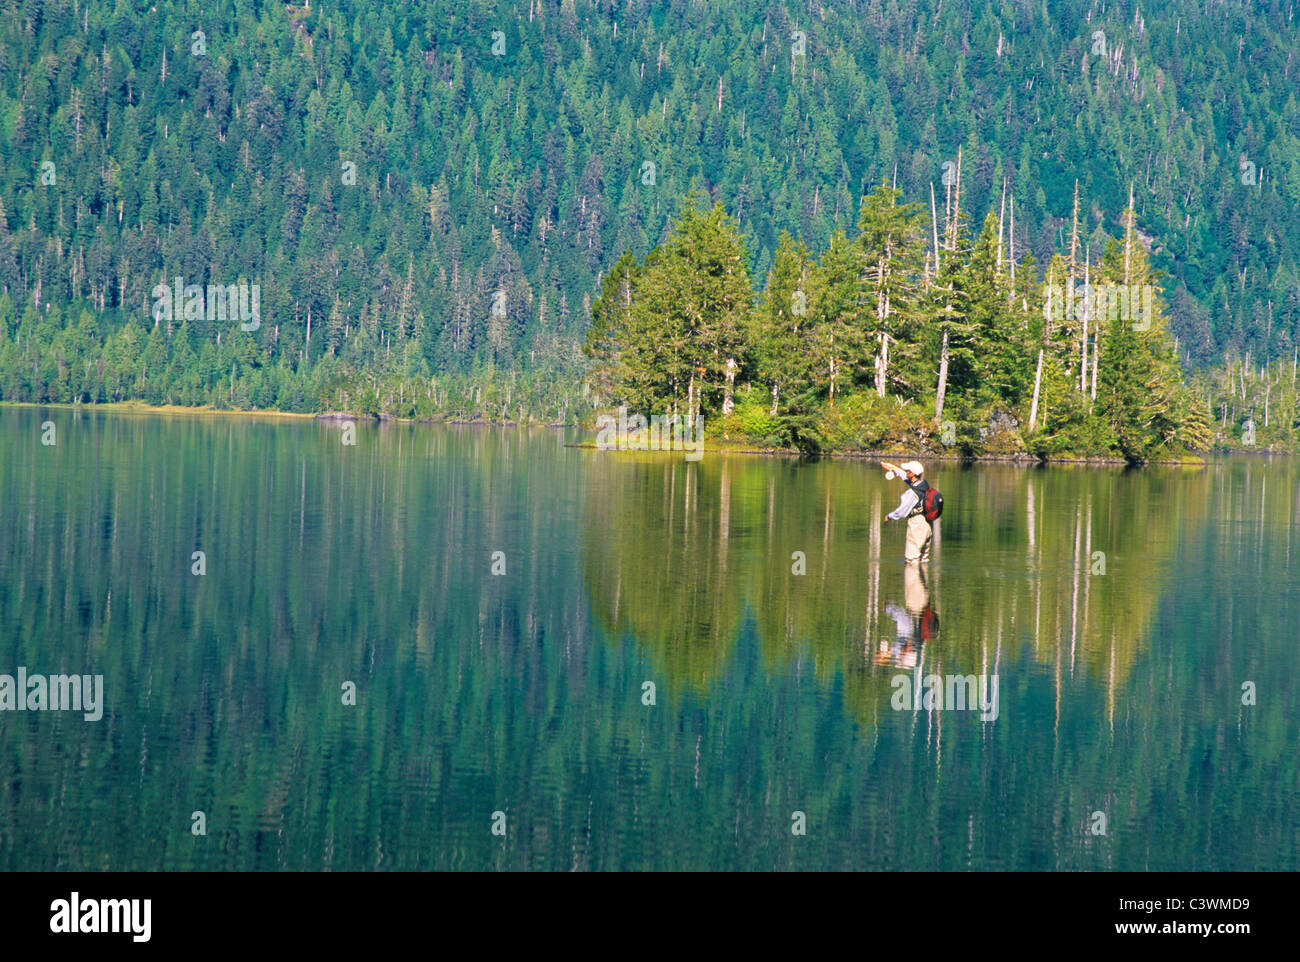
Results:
<point x="433" y="190"/>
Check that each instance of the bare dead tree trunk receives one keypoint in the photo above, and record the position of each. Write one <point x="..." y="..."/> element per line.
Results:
<point x="934" y="218"/>
<point x="1047" y="335"/>
<point x="1096" y="360"/>
<point x="1128" y="237"/>
<point x="1074" y="230"/>
<point x="882" y="363"/>
<point x="951" y="229"/>
<point x="1083" y="331"/>
<point x="1002" y="210"/>
<point x="1011" y="246"/>
<point x="1072" y="268"/>
<point x="1038" y="382"/>
<point x="882" y="318"/>
<point x="943" y="378"/>
<point x="955" y="225"/>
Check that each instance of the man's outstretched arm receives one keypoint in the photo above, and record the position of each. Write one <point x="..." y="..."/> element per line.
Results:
<point x="905" y="506"/>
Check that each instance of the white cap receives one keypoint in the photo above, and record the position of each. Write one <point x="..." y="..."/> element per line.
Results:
<point x="913" y="466"/>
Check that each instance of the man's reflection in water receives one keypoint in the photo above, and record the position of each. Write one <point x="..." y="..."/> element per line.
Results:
<point x="915" y="621"/>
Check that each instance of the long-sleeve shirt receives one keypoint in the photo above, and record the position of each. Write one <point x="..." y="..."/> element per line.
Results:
<point x="905" y="505"/>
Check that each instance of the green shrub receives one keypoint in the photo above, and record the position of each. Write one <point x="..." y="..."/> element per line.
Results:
<point x="754" y="421"/>
<point x="859" y="422"/>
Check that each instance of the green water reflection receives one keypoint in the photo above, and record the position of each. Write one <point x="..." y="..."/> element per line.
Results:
<point x="1118" y="692"/>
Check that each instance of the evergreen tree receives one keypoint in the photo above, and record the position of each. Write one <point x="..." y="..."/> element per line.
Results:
<point x="892" y="239"/>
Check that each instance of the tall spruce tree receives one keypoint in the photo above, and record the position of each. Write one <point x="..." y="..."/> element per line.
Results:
<point x="1141" y="395"/>
<point x="780" y="326"/>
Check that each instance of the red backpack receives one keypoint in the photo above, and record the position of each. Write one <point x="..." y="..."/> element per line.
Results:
<point x="931" y="501"/>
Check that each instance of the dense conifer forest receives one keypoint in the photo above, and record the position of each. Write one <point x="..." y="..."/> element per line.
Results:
<point x="436" y="201"/>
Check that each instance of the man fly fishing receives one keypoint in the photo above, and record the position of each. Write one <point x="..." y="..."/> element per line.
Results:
<point x="921" y="505"/>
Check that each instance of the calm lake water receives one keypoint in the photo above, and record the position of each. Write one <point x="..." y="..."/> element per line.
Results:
<point x="1120" y="612"/>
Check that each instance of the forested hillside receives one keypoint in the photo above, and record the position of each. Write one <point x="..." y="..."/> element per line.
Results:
<point x="428" y="195"/>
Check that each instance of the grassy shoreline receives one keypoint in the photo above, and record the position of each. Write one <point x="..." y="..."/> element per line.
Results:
<point x="204" y="410"/>
<point x="142" y="407"/>
<point x="734" y="447"/>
